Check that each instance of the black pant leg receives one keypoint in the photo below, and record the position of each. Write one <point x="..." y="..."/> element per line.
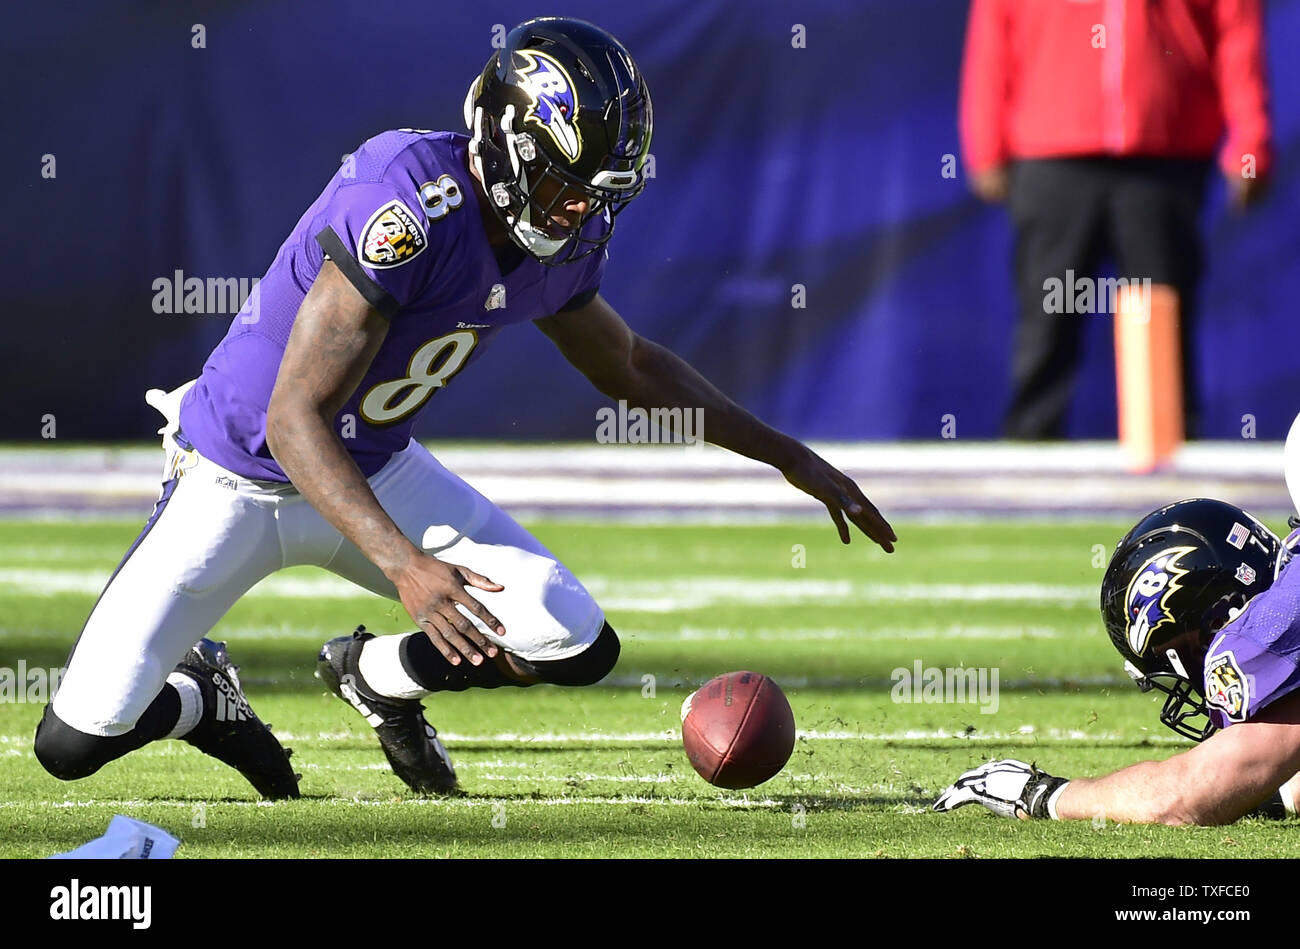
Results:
<point x="1155" y="210"/>
<point x="69" y="754"/>
<point x="1057" y="210"/>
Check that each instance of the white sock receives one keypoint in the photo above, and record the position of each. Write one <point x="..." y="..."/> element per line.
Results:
<point x="1051" y="801"/>
<point x="1288" y="793"/>
<point x="191" y="704"/>
<point x="381" y="668"/>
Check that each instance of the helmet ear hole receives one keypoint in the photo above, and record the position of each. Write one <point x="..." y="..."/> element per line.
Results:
<point x="1224" y="611"/>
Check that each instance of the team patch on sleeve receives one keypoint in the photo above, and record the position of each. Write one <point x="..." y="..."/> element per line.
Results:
<point x="391" y="237"/>
<point x="1226" y="688"/>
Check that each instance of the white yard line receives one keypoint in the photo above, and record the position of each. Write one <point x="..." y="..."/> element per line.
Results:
<point x="1025" y="733"/>
<point x="382" y="800"/>
<point x="1219" y="458"/>
<point x="873" y="634"/>
<point x="703" y="485"/>
<point x="664" y="595"/>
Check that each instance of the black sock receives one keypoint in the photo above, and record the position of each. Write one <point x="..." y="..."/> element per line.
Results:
<point x="423" y="663"/>
<point x="161" y="716"/>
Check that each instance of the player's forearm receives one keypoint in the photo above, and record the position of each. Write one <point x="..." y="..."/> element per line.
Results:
<point x="1144" y="793"/>
<point x="658" y="378"/>
<point x="1190" y="788"/>
<point x="313" y="458"/>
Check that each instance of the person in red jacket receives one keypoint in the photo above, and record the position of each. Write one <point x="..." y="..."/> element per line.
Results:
<point x="1097" y="122"/>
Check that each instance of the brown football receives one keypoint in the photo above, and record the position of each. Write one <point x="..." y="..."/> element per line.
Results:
<point x="738" y="730"/>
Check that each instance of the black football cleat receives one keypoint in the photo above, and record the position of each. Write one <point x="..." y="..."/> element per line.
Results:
<point x="229" y="730"/>
<point x="410" y="743"/>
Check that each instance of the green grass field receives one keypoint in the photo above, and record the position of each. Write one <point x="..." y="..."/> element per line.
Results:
<point x="600" y="771"/>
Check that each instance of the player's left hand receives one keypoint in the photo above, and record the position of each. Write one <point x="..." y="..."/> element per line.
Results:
<point x="813" y="475"/>
<point x="1009" y="788"/>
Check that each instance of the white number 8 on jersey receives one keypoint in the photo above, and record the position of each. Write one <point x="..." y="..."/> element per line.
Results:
<point x="441" y="197"/>
<point x="428" y="371"/>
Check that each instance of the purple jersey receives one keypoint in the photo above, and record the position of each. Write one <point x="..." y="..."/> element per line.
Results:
<point x="401" y="221"/>
<point x="1253" y="661"/>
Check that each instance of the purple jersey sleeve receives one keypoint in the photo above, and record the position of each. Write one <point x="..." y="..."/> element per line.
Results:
<point x="404" y="226"/>
<point x="377" y="239"/>
<point x="1255" y="659"/>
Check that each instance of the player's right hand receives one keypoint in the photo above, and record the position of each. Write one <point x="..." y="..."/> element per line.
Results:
<point x="432" y="591"/>
<point x="1009" y="788"/>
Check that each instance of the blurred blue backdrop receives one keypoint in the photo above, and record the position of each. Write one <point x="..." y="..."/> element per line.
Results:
<point x="775" y="166"/>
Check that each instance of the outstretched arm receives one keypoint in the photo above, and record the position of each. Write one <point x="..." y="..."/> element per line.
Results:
<point x="625" y="366"/>
<point x="1223" y="778"/>
<point x="1220" y="780"/>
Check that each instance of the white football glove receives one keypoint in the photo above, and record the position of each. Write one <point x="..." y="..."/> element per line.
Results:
<point x="1008" y="788"/>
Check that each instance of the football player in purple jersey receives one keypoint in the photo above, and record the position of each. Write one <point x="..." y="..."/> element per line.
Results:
<point x="1203" y="602"/>
<point x="294" y="444"/>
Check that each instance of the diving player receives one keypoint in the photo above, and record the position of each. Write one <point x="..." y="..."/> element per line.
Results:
<point x="294" y="445"/>
<point x="1203" y="603"/>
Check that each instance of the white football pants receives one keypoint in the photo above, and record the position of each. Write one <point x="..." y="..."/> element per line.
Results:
<point x="213" y="535"/>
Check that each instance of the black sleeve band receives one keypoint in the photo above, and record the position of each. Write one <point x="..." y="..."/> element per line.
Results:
<point x="375" y="295"/>
<point x="581" y="300"/>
